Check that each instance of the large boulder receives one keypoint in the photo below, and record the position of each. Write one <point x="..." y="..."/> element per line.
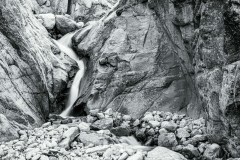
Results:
<point x="29" y="69"/>
<point x="65" y="24"/>
<point x="136" y="63"/>
<point x="161" y="153"/>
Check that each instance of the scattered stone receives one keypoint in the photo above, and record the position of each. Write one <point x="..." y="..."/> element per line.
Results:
<point x="121" y="131"/>
<point x="167" y="140"/>
<point x="182" y="133"/>
<point x="170" y="126"/>
<point x="68" y="137"/>
<point x="103" y="124"/>
<point x="161" y="153"/>
<point x="154" y="124"/>
<point x="48" y="20"/>
<point x="84" y="127"/>
<point x="212" y="151"/>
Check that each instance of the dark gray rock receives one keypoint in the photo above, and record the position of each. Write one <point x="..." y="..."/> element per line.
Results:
<point x="102" y="124"/>
<point x="167" y="140"/>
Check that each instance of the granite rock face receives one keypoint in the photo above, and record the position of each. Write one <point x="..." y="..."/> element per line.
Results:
<point x="178" y="56"/>
<point x="30" y="74"/>
<point x="137" y="61"/>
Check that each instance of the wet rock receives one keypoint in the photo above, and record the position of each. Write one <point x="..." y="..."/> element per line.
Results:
<point x="161" y="153"/>
<point x="102" y="124"/>
<point x="167" y="140"/>
<point x="170" y="126"/>
<point x="66" y="121"/>
<point x="121" y="131"/>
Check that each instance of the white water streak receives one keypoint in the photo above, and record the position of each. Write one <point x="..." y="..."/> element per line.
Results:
<point x="65" y="44"/>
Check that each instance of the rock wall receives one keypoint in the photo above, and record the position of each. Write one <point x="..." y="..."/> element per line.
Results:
<point x="178" y="56"/>
<point x="137" y="60"/>
<point x="216" y="48"/>
<point x="30" y="74"/>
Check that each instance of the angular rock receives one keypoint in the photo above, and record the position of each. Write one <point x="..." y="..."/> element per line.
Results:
<point x="121" y="131"/>
<point x="212" y="151"/>
<point x="103" y="124"/>
<point x="68" y="137"/>
<point x="170" y="126"/>
<point x="65" y="25"/>
<point x="48" y="20"/>
<point x="190" y="151"/>
<point x="167" y="140"/>
<point x="94" y="138"/>
<point x="182" y="133"/>
<point x="84" y="127"/>
<point x="161" y="153"/>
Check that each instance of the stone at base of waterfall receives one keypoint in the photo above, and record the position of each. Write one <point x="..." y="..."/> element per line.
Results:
<point x="137" y="156"/>
<point x="48" y="20"/>
<point x="182" y="133"/>
<point x="84" y="127"/>
<point x="121" y="131"/>
<point x="212" y="151"/>
<point x="161" y="153"/>
<point x="167" y="140"/>
<point x="170" y="126"/>
<point x="65" y="25"/>
<point x="68" y="137"/>
<point x="102" y="124"/>
<point x="95" y="139"/>
<point x="190" y="151"/>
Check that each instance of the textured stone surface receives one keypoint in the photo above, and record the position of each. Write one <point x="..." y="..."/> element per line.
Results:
<point x="161" y="153"/>
<point x="137" y="61"/>
<point x="30" y="74"/>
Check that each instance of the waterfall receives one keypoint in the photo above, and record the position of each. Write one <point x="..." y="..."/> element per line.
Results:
<point x="65" y="44"/>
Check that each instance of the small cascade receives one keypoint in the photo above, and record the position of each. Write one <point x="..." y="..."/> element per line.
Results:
<point x="65" y="44"/>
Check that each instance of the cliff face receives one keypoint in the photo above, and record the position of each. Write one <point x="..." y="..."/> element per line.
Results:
<point x="30" y="74"/>
<point x="179" y="56"/>
<point x="216" y="49"/>
<point x="138" y="62"/>
<point x="145" y="55"/>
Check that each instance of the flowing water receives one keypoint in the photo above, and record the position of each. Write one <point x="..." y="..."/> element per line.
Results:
<point x="65" y="44"/>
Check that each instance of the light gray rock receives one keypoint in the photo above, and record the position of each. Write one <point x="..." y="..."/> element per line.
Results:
<point x="48" y="20"/>
<point x="182" y="133"/>
<point x="143" y="79"/>
<point x="28" y="69"/>
<point x="161" y="153"/>
<point x="84" y="127"/>
<point x="137" y="156"/>
<point x="103" y="124"/>
<point x="212" y="151"/>
<point x="68" y="137"/>
<point x="94" y="138"/>
<point x="170" y="126"/>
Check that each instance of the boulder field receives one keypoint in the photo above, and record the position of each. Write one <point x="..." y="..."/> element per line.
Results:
<point x="144" y="58"/>
<point x="110" y="135"/>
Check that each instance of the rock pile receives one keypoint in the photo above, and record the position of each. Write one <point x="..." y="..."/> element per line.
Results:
<point x="108" y="135"/>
